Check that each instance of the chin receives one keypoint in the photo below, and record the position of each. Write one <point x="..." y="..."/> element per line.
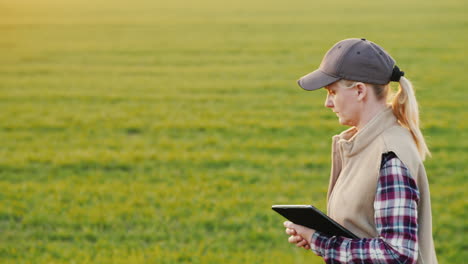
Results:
<point x="345" y="122"/>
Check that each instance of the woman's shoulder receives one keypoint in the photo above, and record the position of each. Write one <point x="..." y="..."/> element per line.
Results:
<point x="399" y="141"/>
<point x="398" y="136"/>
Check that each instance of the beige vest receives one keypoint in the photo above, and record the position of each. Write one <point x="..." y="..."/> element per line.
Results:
<point x="355" y="171"/>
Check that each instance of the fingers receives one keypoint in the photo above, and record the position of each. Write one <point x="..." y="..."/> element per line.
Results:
<point x="295" y="239"/>
<point x="289" y="224"/>
<point x="291" y="231"/>
<point x="299" y="241"/>
<point x="290" y="228"/>
<point x="302" y="243"/>
<point x="297" y="228"/>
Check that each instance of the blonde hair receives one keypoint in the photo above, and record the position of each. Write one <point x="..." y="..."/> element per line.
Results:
<point x="404" y="106"/>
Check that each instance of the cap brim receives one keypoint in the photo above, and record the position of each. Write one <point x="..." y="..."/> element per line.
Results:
<point x="316" y="80"/>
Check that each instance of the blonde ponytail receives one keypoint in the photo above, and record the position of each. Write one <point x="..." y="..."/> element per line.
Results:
<point x="405" y="108"/>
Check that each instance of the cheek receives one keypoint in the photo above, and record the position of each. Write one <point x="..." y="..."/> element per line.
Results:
<point x="344" y="102"/>
<point x="339" y="103"/>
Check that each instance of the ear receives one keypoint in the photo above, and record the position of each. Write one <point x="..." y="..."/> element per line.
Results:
<point x="361" y="91"/>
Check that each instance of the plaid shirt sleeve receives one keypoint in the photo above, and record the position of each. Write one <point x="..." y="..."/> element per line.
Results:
<point x="395" y="218"/>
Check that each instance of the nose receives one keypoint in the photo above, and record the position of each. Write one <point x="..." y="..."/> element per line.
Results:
<point x="329" y="102"/>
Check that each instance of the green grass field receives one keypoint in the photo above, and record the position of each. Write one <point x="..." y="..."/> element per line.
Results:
<point x="162" y="132"/>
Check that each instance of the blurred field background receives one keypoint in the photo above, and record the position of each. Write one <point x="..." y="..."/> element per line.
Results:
<point x="163" y="131"/>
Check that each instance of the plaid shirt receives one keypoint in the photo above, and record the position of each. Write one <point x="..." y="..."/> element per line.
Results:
<point x="396" y="212"/>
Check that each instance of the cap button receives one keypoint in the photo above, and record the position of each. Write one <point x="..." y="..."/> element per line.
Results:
<point x="363" y="39"/>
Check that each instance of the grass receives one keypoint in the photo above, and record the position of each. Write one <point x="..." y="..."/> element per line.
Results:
<point x="162" y="132"/>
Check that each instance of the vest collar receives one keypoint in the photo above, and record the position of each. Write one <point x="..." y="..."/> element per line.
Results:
<point x="353" y="141"/>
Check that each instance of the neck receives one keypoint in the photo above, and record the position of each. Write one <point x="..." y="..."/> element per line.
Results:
<point x="369" y="113"/>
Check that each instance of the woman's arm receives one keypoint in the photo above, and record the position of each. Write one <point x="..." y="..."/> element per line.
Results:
<point x="395" y="217"/>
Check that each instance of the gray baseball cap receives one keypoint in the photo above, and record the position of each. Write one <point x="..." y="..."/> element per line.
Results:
<point x="352" y="59"/>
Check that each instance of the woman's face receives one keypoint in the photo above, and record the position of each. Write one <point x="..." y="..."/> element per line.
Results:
<point x="344" y="102"/>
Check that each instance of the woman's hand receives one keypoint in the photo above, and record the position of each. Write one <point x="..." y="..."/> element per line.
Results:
<point x="299" y="235"/>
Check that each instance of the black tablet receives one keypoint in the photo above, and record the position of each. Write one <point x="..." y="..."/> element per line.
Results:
<point x="309" y="216"/>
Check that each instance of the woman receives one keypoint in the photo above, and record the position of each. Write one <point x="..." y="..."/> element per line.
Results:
<point x="378" y="186"/>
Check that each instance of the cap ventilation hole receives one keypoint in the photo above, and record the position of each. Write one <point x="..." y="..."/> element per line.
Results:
<point x="358" y="52"/>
